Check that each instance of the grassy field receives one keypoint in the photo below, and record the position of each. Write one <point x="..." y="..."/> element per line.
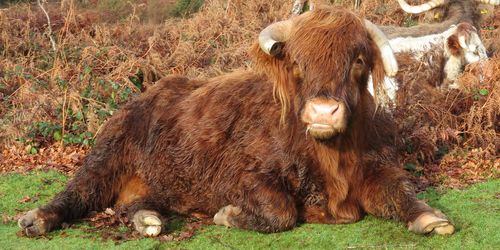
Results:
<point x="475" y="212"/>
<point x="108" y="51"/>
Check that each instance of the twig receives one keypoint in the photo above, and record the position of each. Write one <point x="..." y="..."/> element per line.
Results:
<point x="356" y="4"/>
<point x="227" y="6"/>
<point x="64" y="116"/>
<point x="54" y="48"/>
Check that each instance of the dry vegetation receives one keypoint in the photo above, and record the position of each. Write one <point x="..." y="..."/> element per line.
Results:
<point x="108" y="51"/>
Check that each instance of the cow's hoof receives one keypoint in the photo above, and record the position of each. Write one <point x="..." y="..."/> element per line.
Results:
<point x="222" y="217"/>
<point x="33" y="223"/>
<point x="147" y="222"/>
<point x="436" y="223"/>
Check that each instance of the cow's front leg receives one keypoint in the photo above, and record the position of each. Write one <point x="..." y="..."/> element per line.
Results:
<point x="388" y="193"/>
<point x="147" y="222"/>
<point x="265" y="210"/>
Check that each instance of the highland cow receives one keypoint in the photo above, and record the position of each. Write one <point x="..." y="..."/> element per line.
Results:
<point x="442" y="57"/>
<point x="453" y="43"/>
<point x="295" y="139"/>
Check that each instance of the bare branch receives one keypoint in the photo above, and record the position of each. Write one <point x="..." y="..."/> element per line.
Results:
<point x="52" y="41"/>
<point x="297" y="7"/>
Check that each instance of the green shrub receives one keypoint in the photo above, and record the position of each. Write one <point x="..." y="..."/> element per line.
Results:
<point x="114" y="10"/>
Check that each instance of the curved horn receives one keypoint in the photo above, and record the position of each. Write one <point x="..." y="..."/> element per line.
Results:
<point x="272" y="37"/>
<point x="388" y="58"/>
<point x="298" y="6"/>
<point x="492" y="2"/>
<point x="423" y="7"/>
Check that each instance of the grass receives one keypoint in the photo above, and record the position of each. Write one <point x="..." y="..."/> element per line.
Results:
<point x="474" y="211"/>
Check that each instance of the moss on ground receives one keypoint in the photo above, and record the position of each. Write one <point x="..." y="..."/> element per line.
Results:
<point x="475" y="212"/>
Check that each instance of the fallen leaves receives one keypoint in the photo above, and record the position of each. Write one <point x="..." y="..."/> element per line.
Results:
<point x="108" y="223"/>
<point x="7" y="218"/>
<point x="27" y="199"/>
<point x="461" y="168"/>
<point x="188" y="232"/>
<point x="66" y="160"/>
<point x="109" y="218"/>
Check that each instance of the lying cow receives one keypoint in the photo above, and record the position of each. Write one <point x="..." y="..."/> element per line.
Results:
<point x="454" y="41"/>
<point x="225" y="147"/>
<point x="451" y="51"/>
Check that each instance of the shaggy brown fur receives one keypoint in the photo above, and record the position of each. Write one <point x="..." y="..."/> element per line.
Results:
<point x="456" y="11"/>
<point x="197" y="146"/>
<point x="423" y="75"/>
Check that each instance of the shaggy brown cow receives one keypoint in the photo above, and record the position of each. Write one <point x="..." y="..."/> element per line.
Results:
<point x="224" y="146"/>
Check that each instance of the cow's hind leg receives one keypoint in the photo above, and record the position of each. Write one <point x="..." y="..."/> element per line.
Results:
<point x="388" y="193"/>
<point x="93" y="188"/>
<point x="265" y="210"/>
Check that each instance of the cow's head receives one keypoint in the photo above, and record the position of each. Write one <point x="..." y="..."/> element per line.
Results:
<point x="320" y="62"/>
<point x="462" y="47"/>
<point x="465" y="43"/>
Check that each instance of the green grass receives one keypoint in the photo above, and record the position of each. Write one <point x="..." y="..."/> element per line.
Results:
<point x="475" y="212"/>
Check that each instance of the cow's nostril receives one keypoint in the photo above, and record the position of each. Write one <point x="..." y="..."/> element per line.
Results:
<point x="335" y="108"/>
<point x="313" y="109"/>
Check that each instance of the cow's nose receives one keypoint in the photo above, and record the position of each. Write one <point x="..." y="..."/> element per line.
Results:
<point x="323" y="110"/>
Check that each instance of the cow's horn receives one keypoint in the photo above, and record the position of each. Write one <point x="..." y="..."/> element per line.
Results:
<point x="298" y="6"/>
<point x="423" y="7"/>
<point x="272" y="37"/>
<point x="492" y="2"/>
<point x="388" y="58"/>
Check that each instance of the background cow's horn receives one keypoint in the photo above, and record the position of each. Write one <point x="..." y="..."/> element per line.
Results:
<point x="388" y="58"/>
<point x="492" y="2"/>
<point x="423" y="7"/>
<point x="272" y="37"/>
<point x="298" y="6"/>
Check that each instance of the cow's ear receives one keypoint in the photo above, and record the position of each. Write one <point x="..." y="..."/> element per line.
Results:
<point x="277" y="50"/>
<point x="276" y="68"/>
<point x="268" y="62"/>
<point x="453" y="45"/>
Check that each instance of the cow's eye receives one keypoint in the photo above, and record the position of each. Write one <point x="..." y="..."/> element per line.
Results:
<point x="360" y="60"/>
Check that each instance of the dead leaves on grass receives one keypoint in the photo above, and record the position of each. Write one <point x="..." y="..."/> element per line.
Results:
<point x="107" y="224"/>
<point x="14" y="159"/>
<point x="27" y="199"/>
